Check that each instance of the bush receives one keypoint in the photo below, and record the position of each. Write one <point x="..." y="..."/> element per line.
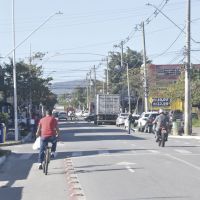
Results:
<point x="4" y="118"/>
<point x="196" y="122"/>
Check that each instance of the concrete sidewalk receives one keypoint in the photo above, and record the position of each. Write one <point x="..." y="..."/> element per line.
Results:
<point x="195" y="134"/>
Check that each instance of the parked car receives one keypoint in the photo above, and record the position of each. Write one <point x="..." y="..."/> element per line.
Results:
<point x="143" y="120"/>
<point x="79" y="113"/>
<point x="85" y="114"/>
<point x="134" y="121"/>
<point x="149" y="124"/>
<point x="90" y="118"/>
<point x="121" y="118"/>
<point x="62" y="115"/>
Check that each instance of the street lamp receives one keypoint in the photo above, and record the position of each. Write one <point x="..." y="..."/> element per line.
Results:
<point x="14" y="64"/>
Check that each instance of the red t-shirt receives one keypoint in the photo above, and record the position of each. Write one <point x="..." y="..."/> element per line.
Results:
<point x="48" y="126"/>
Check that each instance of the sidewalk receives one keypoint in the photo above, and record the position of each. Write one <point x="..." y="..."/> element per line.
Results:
<point x="195" y="134"/>
<point x="13" y="142"/>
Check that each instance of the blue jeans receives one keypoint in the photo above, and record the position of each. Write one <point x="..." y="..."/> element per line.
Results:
<point x="44" y="143"/>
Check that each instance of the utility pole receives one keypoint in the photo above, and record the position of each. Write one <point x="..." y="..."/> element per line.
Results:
<point x="187" y="110"/>
<point x="87" y="91"/>
<point x="30" y="92"/>
<point x="122" y="52"/>
<point x="129" y="97"/>
<point x="95" y="85"/>
<point x="145" y="72"/>
<point x="90" y="90"/>
<point x="122" y="64"/>
<point x="14" y="76"/>
<point x="107" y="83"/>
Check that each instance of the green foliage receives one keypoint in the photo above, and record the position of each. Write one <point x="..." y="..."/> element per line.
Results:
<point x="196" y="122"/>
<point x="30" y="83"/>
<point x="4" y="118"/>
<point x="177" y="90"/>
<point x="118" y="73"/>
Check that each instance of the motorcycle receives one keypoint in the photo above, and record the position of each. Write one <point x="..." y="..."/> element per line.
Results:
<point x="162" y="137"/>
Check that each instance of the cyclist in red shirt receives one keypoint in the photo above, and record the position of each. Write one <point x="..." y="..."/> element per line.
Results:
<point x="49" y="131"/>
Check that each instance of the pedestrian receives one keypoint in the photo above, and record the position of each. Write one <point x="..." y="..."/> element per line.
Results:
<point x="130" y="121"/>
<point x="48" y="131"/>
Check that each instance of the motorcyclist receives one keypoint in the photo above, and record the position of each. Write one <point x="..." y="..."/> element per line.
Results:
<point x="162" y="120"/>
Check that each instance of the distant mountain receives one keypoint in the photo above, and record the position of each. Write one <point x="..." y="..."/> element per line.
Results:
<point x="67" y="86"/>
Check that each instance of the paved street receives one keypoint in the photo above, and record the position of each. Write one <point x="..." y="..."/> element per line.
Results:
<point x="105" y="163"/>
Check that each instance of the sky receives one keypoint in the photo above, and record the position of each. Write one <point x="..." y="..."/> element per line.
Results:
<point x="82" y="36"/>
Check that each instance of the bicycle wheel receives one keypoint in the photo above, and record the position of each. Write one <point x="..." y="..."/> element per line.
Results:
<point x="47" y="157"/>
<point x="44" y="161"/>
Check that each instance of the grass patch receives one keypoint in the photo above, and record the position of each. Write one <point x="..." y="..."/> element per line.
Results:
<point x="196" y="122"/>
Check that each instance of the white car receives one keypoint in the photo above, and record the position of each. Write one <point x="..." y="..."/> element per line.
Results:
<point x="79" y="113"/>
<point x="85" y="114"/>
<point x="143" y="120"/>
<point x="121" y="118"/>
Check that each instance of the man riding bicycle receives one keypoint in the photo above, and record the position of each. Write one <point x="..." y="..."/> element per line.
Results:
<point x="162" y="120"/>
<point x="49" y="131"/>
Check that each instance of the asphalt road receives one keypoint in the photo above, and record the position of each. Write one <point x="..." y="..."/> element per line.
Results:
<point x="104" y="163"/>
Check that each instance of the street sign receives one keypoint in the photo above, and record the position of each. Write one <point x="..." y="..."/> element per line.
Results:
<point x="160" y="102"/>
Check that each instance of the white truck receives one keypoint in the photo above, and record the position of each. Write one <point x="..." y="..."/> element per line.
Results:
<point x="107" y="108"/>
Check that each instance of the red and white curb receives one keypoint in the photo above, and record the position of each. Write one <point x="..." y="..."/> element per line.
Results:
<point x="75" y="189"/>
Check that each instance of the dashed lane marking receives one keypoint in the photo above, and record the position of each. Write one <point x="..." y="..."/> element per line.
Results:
<point x="153" y="151"/>
<point x="130" y="169"/>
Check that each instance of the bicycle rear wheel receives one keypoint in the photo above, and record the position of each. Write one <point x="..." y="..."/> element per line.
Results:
<point x="47" y="158"/>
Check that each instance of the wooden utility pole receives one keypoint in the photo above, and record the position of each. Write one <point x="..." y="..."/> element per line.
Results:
<point x="187" y="109"/>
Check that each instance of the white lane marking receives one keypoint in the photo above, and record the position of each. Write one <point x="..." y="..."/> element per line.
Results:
<point x="103" y="152"/>
<point x="183" y="161"/>
<point x="127" y="166"/>
<point x="130" y="169"/>
<point x="125" y="163"/>
<point x="19" y="183"/>
<point x="25" y="156"/>
<point x="187" y="143"/>
<point x="3" y="183"/>
<point x="133" y="145"/>
<point x="61" y="144"/>
<point x="76" y="154"/>
<point x="183" y="151"/>
<point x="153" y="151"/>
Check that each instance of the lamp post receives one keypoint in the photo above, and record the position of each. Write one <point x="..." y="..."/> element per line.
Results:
<point x="14" y="75"/>
<point x="14" y="64"/>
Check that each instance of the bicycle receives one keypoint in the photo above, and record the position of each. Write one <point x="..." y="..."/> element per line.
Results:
<point x="47" y="158"/>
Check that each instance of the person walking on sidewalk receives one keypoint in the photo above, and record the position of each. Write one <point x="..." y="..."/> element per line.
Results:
<point x="48" y="131"/>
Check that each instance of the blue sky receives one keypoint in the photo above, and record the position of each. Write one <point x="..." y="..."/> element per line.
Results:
<point x="88" y="29"/>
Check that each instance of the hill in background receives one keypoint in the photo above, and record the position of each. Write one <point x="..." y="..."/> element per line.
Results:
<point x="67" y="86"/>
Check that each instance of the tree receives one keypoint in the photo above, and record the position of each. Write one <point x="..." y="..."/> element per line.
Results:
<point x="176" y="91"/>
<point x="30" y="84"/>
<point x="118" y="75"/>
